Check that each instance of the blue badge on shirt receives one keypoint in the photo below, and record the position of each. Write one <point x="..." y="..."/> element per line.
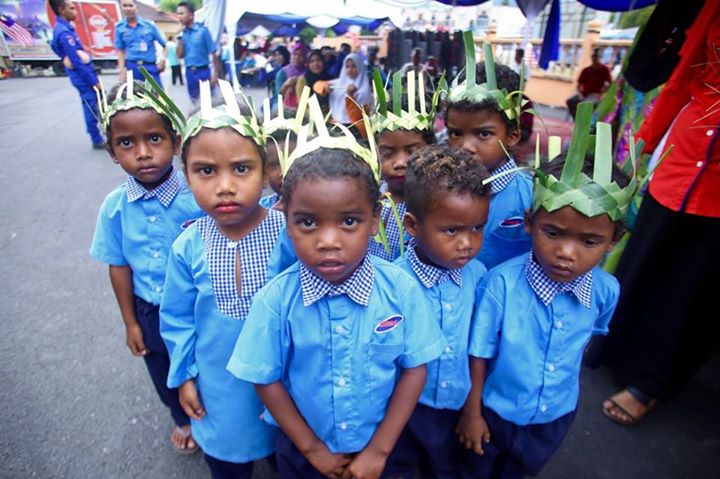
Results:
<point x="512" y="222"/>
<point x="388" y="324"/>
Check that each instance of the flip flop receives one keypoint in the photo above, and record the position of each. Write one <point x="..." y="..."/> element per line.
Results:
<point x="185" y="434"/>
<point x="648" y="402"/>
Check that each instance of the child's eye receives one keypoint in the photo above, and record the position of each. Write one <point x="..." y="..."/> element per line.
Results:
<point x="155" y="139"/>
<point x="350" y="221"/>
<point x="451" y="231"/>
<point x="551" y="233"/>
<point x="242" y="169"/>
<point x="206" y="171"/>
<point x="385" y="152"/>
<point x="477" y="228"/>
<point x="590" y="243"/>
<point x="306" y="222"/>
<point x="454" y="133"/>
<point x="124" y="142"/>
<point x="484" y="134"/>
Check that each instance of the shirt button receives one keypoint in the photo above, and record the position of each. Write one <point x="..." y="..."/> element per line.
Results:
<point x="339" y="329"/>
<point x="699" y="164"/>
<point x="448" y="307"/>
<point x="444" y="384"/>
<point x="551" y="368"/>
<point x="158" y="289"/>
<point x="559" y="324"/>
<point x="342" y="382"/>
<point x="152" y="219"/>
<point x="156" y="254"/>
<point x="343" y="425"/>
<point x="543" y="407"/>
<point x="709" y="132"/>
<point x="448" y="349"/>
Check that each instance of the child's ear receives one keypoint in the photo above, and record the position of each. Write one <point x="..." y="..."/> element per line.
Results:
<point x="111" y="152"/>
<point x="375" y="219"/>
<point x="178" y="141"/>
<point x="410" y="223"/>
<point x="528" y="222"/>
<point x="513" y="137"/>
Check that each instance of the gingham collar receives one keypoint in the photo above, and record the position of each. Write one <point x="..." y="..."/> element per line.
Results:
<point x="165" y="192"/>
<point x="499" y="184"/>
<point x="547" y="289"/>
<point x="358" y="286"/>
<point x="431" y="275"/>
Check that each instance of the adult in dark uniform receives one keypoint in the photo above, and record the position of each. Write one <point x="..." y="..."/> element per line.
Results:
<point x="135" y="40"/>
<point x="197" y="47"/>
<point x="78" y="65"/>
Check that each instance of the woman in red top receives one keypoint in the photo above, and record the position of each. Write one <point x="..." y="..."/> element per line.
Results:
<point x="665" y="326"/>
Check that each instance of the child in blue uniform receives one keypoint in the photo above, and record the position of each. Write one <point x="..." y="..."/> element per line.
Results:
<point x="136" y="226"/>
<point x="537" y="312"/>
<point x="282" y="135"/>
<point x="337" y="343"/>
<point x="478" y="123"/>
<point x="215" y="267"/>
<point x="447" y="209"/>
<point x="399" y="134"/>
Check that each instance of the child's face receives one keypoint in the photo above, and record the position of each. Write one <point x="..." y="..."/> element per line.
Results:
<point x="395" y="148"/>
<point x="479" y="132"/>
<point x="351" y="69"/>
<point x="274" y="172"/>
<point x="451" y="232"/>
<point x="142" y="146"/>
<point x="225" y="173"/>
<point x="568" y="244"/>
<point x="330" y="222"/>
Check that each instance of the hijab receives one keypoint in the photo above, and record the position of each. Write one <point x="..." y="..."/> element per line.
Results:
<point x="363" y="95"/>
<point x="292" y="70"/>
<point x="310" y="77"/>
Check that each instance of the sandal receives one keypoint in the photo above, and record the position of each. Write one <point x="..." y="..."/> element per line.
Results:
<point x="619" y="414"/>
<point x="185" y="433"/>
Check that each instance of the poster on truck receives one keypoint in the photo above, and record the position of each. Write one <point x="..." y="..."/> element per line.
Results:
<point x="27" y="25"/>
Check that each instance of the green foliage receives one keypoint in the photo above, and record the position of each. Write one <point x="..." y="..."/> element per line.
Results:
<point x="171" y="5"/>
<point x="330" y="33"/>
<point x="635" y="18"/>
<point x="307" y="35"/>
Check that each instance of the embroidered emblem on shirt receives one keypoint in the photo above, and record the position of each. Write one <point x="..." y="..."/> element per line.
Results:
<point x="512" y="222"/>
<point x="388" y="324"/>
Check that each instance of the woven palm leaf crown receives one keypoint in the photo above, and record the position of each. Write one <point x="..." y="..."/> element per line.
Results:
<point x="391" y="116"/>
<point x="469" y="90"/>
<point x="590" y="196"/>
<point x="271" y="124"/>
<point x="306" y="143"/>
<point x="226" y="115"/>
<point x="148" y="97"/>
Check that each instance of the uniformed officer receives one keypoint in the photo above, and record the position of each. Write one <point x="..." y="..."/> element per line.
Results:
<point x="78" y="65"/>
<point x="197" y="47"/>
<point x="135" y="40"/>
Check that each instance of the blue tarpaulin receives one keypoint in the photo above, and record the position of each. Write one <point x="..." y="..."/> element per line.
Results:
<point x="287" y="25"/>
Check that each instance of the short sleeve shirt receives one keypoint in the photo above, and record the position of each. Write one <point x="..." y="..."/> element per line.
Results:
<point x="138" y="42"/>
<point x="198" y="44"/>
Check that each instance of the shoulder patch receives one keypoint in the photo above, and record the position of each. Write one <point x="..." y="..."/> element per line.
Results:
<point x="512" y="222"/>
<point x="389" y="324"/>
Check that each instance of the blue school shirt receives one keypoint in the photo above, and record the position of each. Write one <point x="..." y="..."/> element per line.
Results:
<point x="66" y="43"/>
<point x="339" y="350"/>
<point x="269" y="201"/>
<point x="138" y="42"/>
<point x="198" y="45"/>
<point x="201" y="317"/>
<point x="450" y="297"/>
<point x="137" y="227"/>
<point x="392" y="230"/>
<point x="504" y="236"/>
<point x="534" y="332"/>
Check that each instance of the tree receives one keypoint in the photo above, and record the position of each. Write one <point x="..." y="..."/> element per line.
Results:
<point x="635" y="18"/>
<point x="171" y="5"/>
<point x="307" y="35"/>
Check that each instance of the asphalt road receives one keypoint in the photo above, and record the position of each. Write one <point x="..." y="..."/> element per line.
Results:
<point x="77" y="404"/>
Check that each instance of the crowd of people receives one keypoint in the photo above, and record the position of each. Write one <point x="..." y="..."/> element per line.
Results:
<point x="395" y="299"/>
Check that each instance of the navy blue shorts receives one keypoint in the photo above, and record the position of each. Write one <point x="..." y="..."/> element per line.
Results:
<point x="430" y="436"/>
<point x="514" y="451"/>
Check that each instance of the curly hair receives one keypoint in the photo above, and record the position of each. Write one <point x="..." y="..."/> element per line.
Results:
<point x="438" y="170"/>
<point x="331" y="164"/>
<point x="506" y="78"/>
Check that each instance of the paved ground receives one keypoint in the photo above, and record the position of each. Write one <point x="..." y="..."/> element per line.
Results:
<point x="77" y="405"/>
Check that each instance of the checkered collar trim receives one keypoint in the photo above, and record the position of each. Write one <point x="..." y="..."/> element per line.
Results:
<point x="358" y="286"/>
<point x="499" y="184"/>
<point x="431" y="275"/>
<point x="547" y="289"/>
<point x="165" y="192"/>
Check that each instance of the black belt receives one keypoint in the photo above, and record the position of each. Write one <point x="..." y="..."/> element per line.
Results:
<point x="204" y="67"/>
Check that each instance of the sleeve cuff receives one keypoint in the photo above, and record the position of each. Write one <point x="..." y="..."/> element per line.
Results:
<point x="424" y="356"/>
<point x="110" y="259"/>
<point x="253" y="373"/>
<point x="485" y="351"/>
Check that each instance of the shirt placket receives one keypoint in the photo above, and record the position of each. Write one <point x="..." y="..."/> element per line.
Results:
<point x="448" y="323"/>
<point x="343" y="381"/>
<point x="155" y="233"/>
<point x="556" y="333"/>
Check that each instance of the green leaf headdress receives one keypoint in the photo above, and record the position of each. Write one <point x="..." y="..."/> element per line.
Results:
<point x="590" y="196"/>
<point x="227" y="115"/>
<point x="509" y="103"/>
<point x="279" y="122"/>
<point x="390" y="115"/>
<point x="149" y="96"/>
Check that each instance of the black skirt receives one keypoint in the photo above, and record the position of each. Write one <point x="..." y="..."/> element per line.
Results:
<point x="667" y="323"/>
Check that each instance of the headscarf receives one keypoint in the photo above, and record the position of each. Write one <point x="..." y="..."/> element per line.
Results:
<point x="291" y="70"/>
<point x="310" y="77"/>
<point x="363" y="95"/>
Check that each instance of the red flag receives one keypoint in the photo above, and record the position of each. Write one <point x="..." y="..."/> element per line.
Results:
<point x="14" y="30"/>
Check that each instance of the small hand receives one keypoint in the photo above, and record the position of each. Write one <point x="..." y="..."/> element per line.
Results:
<point x="67" y="63"/>
<point x="134" y="340"/>
<point x="369" y="464"/>
<point x="328" y="464"/>
<point x="213" y="78"/>
<point x="161" y="66"/>
<point x="473" y="432"/>
<point x="190" y="400"/>
<point x="351" y="89"/>
<point x="84" y="57"/>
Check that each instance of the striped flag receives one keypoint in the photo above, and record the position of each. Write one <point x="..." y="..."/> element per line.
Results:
<point x="14" y="30"/>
